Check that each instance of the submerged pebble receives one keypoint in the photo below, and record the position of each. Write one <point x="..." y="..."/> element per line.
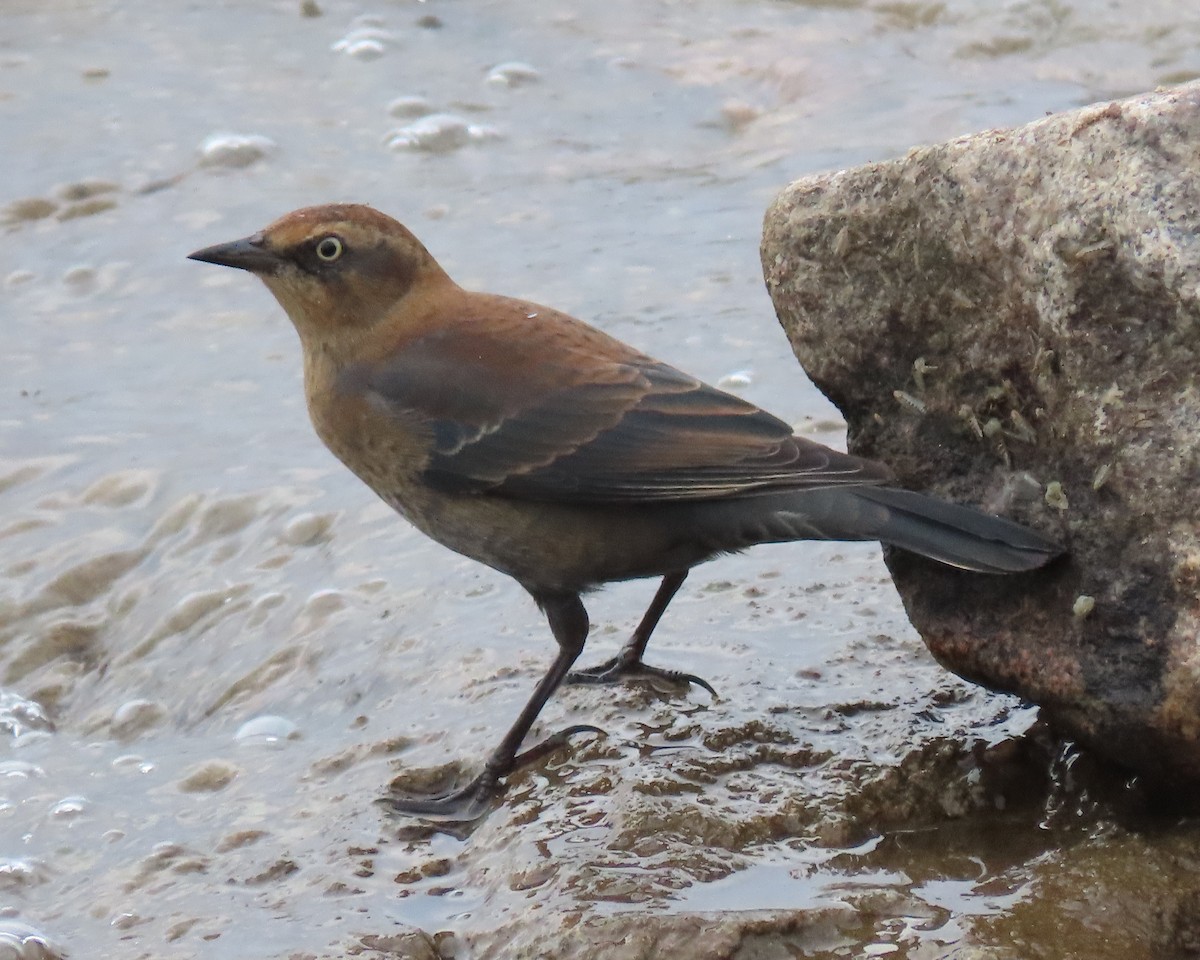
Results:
<point x="80" y="278"/>
<point x="85" y="190"/>
<point x="737" y="114"/>
<point x="121" y="489"/>
<point x="209" y="776"/>
<point x="234" y="149"/>
<point x="87" y="208"/>
<point x="30" y="208"/>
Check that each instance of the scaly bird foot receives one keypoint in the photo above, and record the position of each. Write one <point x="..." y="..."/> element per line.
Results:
<point x="478" y="798"/>
<point x="621" y="668"/>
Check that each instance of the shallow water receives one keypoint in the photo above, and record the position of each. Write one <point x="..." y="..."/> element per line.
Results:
<point x="179" y="556"/>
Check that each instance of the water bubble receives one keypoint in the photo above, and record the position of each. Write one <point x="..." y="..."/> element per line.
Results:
<point x="410" y="107"/>
<point x="167" y="850"/>
<point x="308" y="528"/>
<point x="362" y="49"/>
<point x="28" y="738"/>
<point x="136" y="716"/>
<point x="20" y="770"/>
<point x="131" y="761"/>
<point x="367" y="39"/>
<point x="18" y="872"/>
<point x="267" y="730"/>
<point x="70" y="808"/>
<point x="19" y="716"/>
<point x="438" y="133"/>
<point x="234" y="149"/>
<point x="325" y="602"/>
<point x="20" y="941"/>
<point x="513" y="74"/>
<point x="736" y="380"/>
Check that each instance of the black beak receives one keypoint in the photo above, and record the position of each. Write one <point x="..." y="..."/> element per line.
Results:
<point x="249" y="253"/>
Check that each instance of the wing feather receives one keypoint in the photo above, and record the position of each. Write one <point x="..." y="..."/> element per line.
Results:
<point x="604" y="424"/>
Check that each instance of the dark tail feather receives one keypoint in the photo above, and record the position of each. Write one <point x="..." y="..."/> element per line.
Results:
<point x="960" y="536"/>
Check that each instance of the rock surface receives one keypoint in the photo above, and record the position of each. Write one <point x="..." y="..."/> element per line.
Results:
<point x="1013" y="319"/>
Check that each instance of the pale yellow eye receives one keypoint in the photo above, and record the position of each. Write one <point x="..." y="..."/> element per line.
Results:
<point x="329" y="249"/>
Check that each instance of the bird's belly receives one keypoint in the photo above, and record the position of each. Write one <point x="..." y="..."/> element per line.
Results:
<point x="545" y="546"/>
<point x="552" y="547"/>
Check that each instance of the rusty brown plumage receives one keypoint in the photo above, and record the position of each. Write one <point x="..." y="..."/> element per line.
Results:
<point x="542" y="447"/>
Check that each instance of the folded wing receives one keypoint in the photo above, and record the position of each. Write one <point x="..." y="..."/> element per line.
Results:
<point x="530" y="414"/>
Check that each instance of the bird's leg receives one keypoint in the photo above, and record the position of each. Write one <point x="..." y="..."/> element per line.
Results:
<point x="628" y="662"/>
<point x="569" y="624"/>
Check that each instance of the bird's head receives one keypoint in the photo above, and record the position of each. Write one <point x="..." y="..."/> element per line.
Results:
<point x="338" y="270"/>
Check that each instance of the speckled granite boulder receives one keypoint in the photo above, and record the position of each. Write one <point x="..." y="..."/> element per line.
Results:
<point x="1013" y="319"/>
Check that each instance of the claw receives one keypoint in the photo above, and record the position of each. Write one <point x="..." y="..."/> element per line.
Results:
<point x="619" y="669"/>
<point x="552" y="743"/>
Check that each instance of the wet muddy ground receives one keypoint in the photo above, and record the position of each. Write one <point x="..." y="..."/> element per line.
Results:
<point x="216" y="649"/>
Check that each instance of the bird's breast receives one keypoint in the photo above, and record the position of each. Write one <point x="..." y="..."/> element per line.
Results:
<point x="383" y="448"/>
